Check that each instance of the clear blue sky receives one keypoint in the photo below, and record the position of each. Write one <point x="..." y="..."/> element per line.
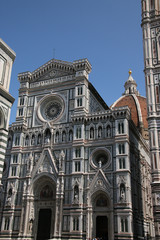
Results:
<point x="106" y="32"/>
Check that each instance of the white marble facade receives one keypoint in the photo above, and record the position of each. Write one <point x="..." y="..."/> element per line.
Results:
<point x="75" y="169"/>
<point x="7" y="56"/>
<point x="151" y="46"/>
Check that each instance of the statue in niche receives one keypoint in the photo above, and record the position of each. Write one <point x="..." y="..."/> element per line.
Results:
<point x="11" y="192"/>
<point x="76" y="195"/>
<point x="63" y="137"/>
<point x="9" y="143"/>
<point x="122" y="192"/>
<point x="47" y="139"/>
<point x="100" y="163"/>
<point x="33" y="140"/>
<point x="27" y="141"/>
<point x="24" y="187"/>
<point x="108" y="131"/>
<point x="99" y="132"/>
<point x="47" y="136"/>
<point x="39" y="141"/>
<point x="70" y="136"/>
<point x="61" y="159"/>
<point x="30" y="226"/>
<point x="30" y="163"/>
<point x="92" y="133"/>
<point x="57" y="137"/>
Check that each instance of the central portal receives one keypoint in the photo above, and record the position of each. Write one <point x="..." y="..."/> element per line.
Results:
<point x="102" y="227"/>
<point x="44" y="224"/>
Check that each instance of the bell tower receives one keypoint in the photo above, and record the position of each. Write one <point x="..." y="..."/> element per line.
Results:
<point x="151" y="46"/>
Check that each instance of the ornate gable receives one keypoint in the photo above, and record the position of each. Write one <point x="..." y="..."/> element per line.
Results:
<point x="46" y="164"/>
<point x="53" y="72"/>
<point x="100" y="182"/>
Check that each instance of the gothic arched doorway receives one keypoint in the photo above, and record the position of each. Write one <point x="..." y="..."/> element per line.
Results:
<point x="44" y="208"/>
<point x="101" y="216"/>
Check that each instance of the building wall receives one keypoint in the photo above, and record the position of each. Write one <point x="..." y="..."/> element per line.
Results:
<point x="70" y="157"/>
<point x="151" y="45"/>
<point x="7" y="57"/>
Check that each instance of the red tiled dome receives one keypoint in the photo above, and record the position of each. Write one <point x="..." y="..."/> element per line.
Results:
<point x="129" y="100"/>
<point x="136" y="103"/>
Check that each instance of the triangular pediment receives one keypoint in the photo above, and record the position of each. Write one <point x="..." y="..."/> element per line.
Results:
<point x="55" y="71"/>
<point x="54" y="74"/>
<point x="46" y="164"/>
<point x="52" y="69"/>
<point x="100" y="182"/>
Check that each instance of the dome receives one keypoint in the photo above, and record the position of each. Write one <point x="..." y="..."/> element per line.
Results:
<point x="136" y="103"/>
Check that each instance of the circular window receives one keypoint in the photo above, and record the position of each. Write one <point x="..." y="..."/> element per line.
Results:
<point x="100" y="158"/>
<point x="50" y="108"/>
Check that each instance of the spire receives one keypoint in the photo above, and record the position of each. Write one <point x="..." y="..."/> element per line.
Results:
<point x="130" y="85"/>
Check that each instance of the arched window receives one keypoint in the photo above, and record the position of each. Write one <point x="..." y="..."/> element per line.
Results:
<point x="122" y="163"/>
<point x="80" y="90"/>
<point x="78" y="132"/>
<point x="21" y="101"/>
<point x="124" y="224"/>
<point x="75" y="223"/>
<point x="78" y="152"/>
<point x="6" y="223"/>
<point x="121" y="148"/>
<point x="121" y="128"/>
<point x="79" y="102"/>
<point x="17" y="140"/>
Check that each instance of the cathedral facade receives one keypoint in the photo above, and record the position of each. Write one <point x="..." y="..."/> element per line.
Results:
<point x="76" y="168"/>
<point x="151" y="45"/>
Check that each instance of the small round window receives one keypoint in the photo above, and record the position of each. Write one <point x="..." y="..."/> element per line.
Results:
<point x="100" y="158"/>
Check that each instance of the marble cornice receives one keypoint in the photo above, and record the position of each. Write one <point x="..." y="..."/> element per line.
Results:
<point x="6" y="95"/>
<point x="7" y="50"/>
<point x="116" y="113"/>
<point x="67" y="67"/>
